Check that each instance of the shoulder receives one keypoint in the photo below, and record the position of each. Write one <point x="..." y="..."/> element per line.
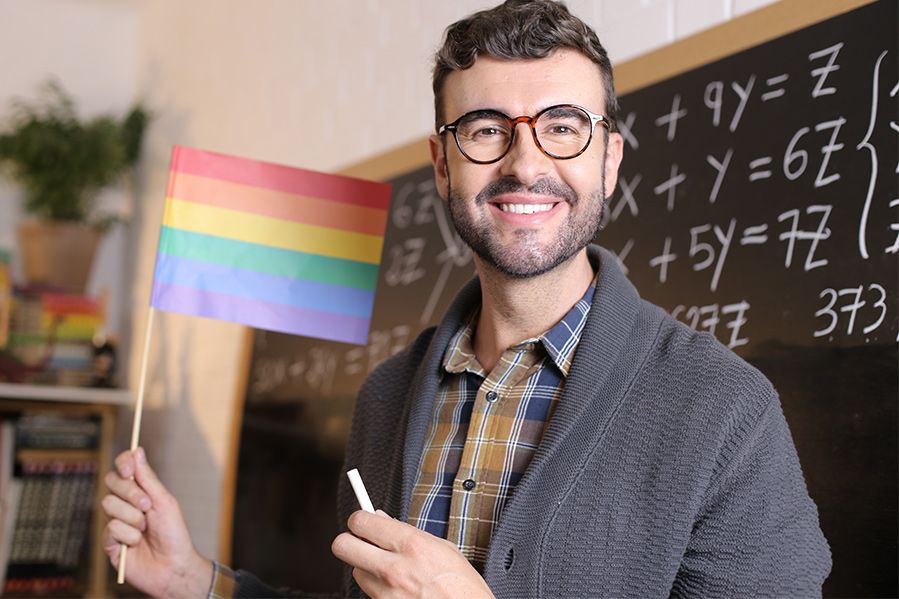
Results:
<point x="387" y="385"/>
<point x="697" y="356"/>
<point x="699" y="407"/>
<point x="379" y="414"/>
<point x="401" y="366"/>
<point x="701" y="378"/>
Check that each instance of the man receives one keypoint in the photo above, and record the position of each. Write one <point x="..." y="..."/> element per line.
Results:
<point x="555" y="435"/>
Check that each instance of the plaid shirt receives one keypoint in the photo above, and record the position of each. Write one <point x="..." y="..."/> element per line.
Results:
<point x="224" y="582"/>
<point x="486" y="428"/>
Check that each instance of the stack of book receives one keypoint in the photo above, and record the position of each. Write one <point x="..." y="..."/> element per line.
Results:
<point x="52" y="336"/>
<point x="48" y="497"/>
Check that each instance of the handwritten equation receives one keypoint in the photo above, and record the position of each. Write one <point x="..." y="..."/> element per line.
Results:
<point x="321" y="368"/>
<point x="767" y="195"/>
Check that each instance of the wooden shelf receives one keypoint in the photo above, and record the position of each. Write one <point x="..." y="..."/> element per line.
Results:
<point x="89" y="395"/>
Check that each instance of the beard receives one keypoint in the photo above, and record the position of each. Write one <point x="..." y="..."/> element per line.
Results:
<point x="527" y="257"/>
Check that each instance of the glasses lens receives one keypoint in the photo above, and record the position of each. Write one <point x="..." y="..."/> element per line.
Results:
<point x="563" y="131"/>
<point x="484" y="135"/>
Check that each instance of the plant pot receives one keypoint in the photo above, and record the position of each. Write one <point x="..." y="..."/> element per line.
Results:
<point x="58" y="254"/>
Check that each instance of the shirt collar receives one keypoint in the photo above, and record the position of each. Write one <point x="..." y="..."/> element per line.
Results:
<point x="560" y="342"/>
<point x="459" y="356"/>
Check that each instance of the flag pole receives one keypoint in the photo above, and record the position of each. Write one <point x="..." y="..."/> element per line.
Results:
<point x="135" y="428"/>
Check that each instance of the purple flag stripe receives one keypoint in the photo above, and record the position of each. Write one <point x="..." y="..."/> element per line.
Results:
<point x="260" y="314"/>
<point x="274" y="289"/>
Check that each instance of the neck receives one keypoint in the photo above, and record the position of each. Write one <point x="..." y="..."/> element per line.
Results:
<point x="513" y="310"/>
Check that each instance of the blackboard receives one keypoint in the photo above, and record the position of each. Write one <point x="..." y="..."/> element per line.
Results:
<point x="758" y="201"/>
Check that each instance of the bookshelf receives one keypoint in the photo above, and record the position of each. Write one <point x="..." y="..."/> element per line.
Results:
<point x="99" y="404"/>
<point x="76" y="395"/>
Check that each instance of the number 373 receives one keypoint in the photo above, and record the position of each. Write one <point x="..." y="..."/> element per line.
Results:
<point x="851" y="306"/>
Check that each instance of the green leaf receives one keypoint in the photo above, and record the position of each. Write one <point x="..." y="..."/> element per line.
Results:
<point x="62" y="162"/>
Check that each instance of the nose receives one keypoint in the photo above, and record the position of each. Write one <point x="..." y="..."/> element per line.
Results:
<point x="525" y="161"/>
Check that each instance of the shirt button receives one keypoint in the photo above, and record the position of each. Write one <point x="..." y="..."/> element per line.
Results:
<point x="468" y="485"/>
<point x="492" y="396"/>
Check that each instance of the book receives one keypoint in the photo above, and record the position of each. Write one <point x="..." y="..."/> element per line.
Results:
<point x="9" y="507"/>
<point x="56" y="431"/>
<point x="10" y="493"/>
<point x="51" y="525"/>
<point x="55" y="469"/>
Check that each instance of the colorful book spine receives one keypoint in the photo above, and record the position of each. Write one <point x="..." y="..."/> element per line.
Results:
<point x="52" y="336"/>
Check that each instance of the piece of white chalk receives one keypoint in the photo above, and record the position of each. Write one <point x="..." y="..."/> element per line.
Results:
<point x="359" y="490"/>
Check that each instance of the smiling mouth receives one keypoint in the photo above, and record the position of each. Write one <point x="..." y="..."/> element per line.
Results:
<point x="526" y="208"/>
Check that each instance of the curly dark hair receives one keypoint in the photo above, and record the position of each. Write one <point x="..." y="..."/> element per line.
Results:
<point x="518" y="29"/>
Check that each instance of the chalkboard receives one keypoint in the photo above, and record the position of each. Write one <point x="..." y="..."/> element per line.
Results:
<point x="757" y="201"/>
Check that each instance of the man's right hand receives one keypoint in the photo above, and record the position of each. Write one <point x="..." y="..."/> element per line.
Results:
<point x="143" y="515"/>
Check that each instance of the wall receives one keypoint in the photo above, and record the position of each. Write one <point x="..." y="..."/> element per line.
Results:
<point x="318" y="85"/>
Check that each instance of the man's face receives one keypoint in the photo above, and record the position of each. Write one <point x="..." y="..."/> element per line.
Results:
<point x="564" y="198"/>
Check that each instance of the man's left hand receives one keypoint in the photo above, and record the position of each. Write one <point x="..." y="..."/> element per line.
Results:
<point x="394" y="559"/>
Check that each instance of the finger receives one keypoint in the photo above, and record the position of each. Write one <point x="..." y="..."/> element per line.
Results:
<point x="112" y="547"/>
<point x="128" y="490"/>
<point x="118" y="509"/>
<point x="124" y="464"/>
<point x="120" y="532"/>
<point x="145" y="476"/>
<point x="386" y="533"/>
<point x="359" y="554"/>
<point x="370" y="584"/>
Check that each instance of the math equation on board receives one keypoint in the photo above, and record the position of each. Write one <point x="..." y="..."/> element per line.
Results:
<point x="758" y="200"/>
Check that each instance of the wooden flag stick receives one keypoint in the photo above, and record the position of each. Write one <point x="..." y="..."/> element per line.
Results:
<point x="135" y="429"/>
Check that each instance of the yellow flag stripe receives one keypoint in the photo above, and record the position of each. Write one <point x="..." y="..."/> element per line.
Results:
<point x="273" y="232"/>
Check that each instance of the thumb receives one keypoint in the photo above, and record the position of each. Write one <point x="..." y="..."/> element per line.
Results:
<point x="146" y="478"/>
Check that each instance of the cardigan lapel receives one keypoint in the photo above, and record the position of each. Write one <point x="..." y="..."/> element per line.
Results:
<point x="424" y="386"/>
<point x="586" y="404"/>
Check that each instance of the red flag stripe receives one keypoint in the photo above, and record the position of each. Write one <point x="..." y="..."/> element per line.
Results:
<point x="277" y="177"/>
<point x="278" y="204"/>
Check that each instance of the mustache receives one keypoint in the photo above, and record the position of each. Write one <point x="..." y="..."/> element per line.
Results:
<point x="545" y="187"/>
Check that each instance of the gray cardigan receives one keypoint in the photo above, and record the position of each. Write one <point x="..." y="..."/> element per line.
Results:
<point x="667" y="469"/>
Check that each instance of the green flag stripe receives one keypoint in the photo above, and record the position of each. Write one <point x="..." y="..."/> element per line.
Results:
<point x="266" y="259"/>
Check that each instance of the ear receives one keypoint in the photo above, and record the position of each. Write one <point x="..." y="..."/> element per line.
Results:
<point x="438" y="159"/>
<point x="614" y="154"/>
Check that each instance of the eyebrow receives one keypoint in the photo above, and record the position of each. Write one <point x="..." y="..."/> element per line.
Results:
<point x="479" y="111"/>
<point x="485" y="112"/>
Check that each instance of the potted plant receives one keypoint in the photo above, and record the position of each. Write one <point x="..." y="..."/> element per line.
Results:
<point x="62" y="163"/>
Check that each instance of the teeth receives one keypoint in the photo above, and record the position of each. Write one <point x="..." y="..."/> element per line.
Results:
<point x="526" y="208"/>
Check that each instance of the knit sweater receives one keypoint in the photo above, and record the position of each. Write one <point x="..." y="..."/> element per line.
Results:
<point x="667" y="469"/>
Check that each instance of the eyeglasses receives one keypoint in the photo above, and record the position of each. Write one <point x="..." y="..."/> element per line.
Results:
<point x="562" y="132"/>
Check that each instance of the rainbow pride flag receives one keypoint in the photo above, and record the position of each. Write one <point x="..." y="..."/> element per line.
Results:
<point x="270" y="246"/>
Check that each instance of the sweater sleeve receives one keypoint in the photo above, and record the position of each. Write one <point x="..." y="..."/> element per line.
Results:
<point x="757" y="533"/>
<point x="247" y="585"/>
